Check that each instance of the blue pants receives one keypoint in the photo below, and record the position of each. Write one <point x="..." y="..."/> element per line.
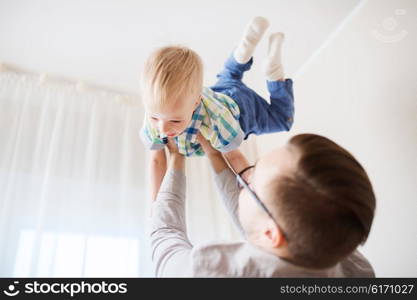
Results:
<point x="256" y="114"/>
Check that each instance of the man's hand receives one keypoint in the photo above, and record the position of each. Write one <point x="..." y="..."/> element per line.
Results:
<point x="176" y="159"/>
<point x="207" y="147"/>
<point x="216" y="158"/>
<point x="172" y="146"/>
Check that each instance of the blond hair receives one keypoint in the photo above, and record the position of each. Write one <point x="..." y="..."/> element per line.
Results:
<point x="171" y="73"/>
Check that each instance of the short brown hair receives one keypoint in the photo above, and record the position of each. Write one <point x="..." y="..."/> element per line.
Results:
<point x="171" y="72"/>
<point x="326" y="206"/>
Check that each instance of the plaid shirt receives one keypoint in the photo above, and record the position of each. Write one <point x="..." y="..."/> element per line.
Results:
<point x="216" y="117"/>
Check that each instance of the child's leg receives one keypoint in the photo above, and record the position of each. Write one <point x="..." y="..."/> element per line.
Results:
<point x="240" y="60"/>
<point x="281" y="109"/>
<point x="257" y="115"/>
<point x="232" y="71"/>
<point x="272" y="65"/>
<point x="281" y="93"/>
<point x="260" y="116"/>
<point x="251" y="37"/>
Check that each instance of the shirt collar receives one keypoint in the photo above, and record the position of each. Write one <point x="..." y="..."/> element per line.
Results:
<point x="197" y="118"/>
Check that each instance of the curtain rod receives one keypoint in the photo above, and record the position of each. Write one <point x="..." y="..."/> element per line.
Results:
<point x="78" y="84"/>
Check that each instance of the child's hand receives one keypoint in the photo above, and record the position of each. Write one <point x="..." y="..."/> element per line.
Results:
<point x="207" y="147"/>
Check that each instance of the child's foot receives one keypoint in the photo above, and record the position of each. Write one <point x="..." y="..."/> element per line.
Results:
<point x="273" y="66"/>
<point x="250" y="39"/>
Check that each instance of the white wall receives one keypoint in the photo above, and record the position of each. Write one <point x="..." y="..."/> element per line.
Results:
<point x="361" y="91"/>
<point x="107" y="41"/>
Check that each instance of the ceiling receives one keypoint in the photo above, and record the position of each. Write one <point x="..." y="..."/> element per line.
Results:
<point x="105" y="42"/>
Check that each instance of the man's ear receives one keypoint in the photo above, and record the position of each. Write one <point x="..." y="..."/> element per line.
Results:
<point x="274" y="235"/>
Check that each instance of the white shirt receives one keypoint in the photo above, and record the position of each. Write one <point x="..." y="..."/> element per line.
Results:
<point x="175" y="256"/>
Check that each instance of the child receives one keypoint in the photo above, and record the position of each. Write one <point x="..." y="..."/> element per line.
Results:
<point x="178" y="106"/>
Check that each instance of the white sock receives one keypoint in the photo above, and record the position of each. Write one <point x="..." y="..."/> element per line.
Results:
<point x="253" y="34"/>
<point x="272" y="65"/>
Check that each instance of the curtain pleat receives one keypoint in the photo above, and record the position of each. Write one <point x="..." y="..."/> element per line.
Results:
<point x="73" y="183"/>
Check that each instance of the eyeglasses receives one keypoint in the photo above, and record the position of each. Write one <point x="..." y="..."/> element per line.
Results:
<point x="243" y="184"/>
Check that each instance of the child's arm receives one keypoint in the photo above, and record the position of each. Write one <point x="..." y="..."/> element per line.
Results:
<point x="158" y="167"/>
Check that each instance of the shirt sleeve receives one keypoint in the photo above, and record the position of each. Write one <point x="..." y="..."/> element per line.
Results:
<point x="229" y="192"/>
<point x="356" y="265"/>
<point x="234" y="143"/>
<point x="171" y="248"/>
<point x="224" y="135"/>
<point x="148" y="141"/>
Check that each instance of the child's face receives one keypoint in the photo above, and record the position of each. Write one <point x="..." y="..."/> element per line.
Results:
<point x="174" y="118"/>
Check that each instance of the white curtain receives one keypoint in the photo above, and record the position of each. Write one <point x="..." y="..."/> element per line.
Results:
<point x="73" y="197"/>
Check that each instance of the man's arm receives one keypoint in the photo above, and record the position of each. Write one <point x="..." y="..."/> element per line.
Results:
<point x="158" y="162"/>
<point x="225" y="181"/>
<point x="169" y="242"/>
<point x="158" y="168"/>
<point x="216" y="158"/>
<point x="237" y="160"/>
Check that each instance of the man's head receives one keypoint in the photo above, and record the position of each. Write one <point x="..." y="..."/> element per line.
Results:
<point x="320" y="197"/>
<point x="171" y="88"/>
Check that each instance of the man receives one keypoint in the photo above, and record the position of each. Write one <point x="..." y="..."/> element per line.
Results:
<point x="303" y="210"/>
